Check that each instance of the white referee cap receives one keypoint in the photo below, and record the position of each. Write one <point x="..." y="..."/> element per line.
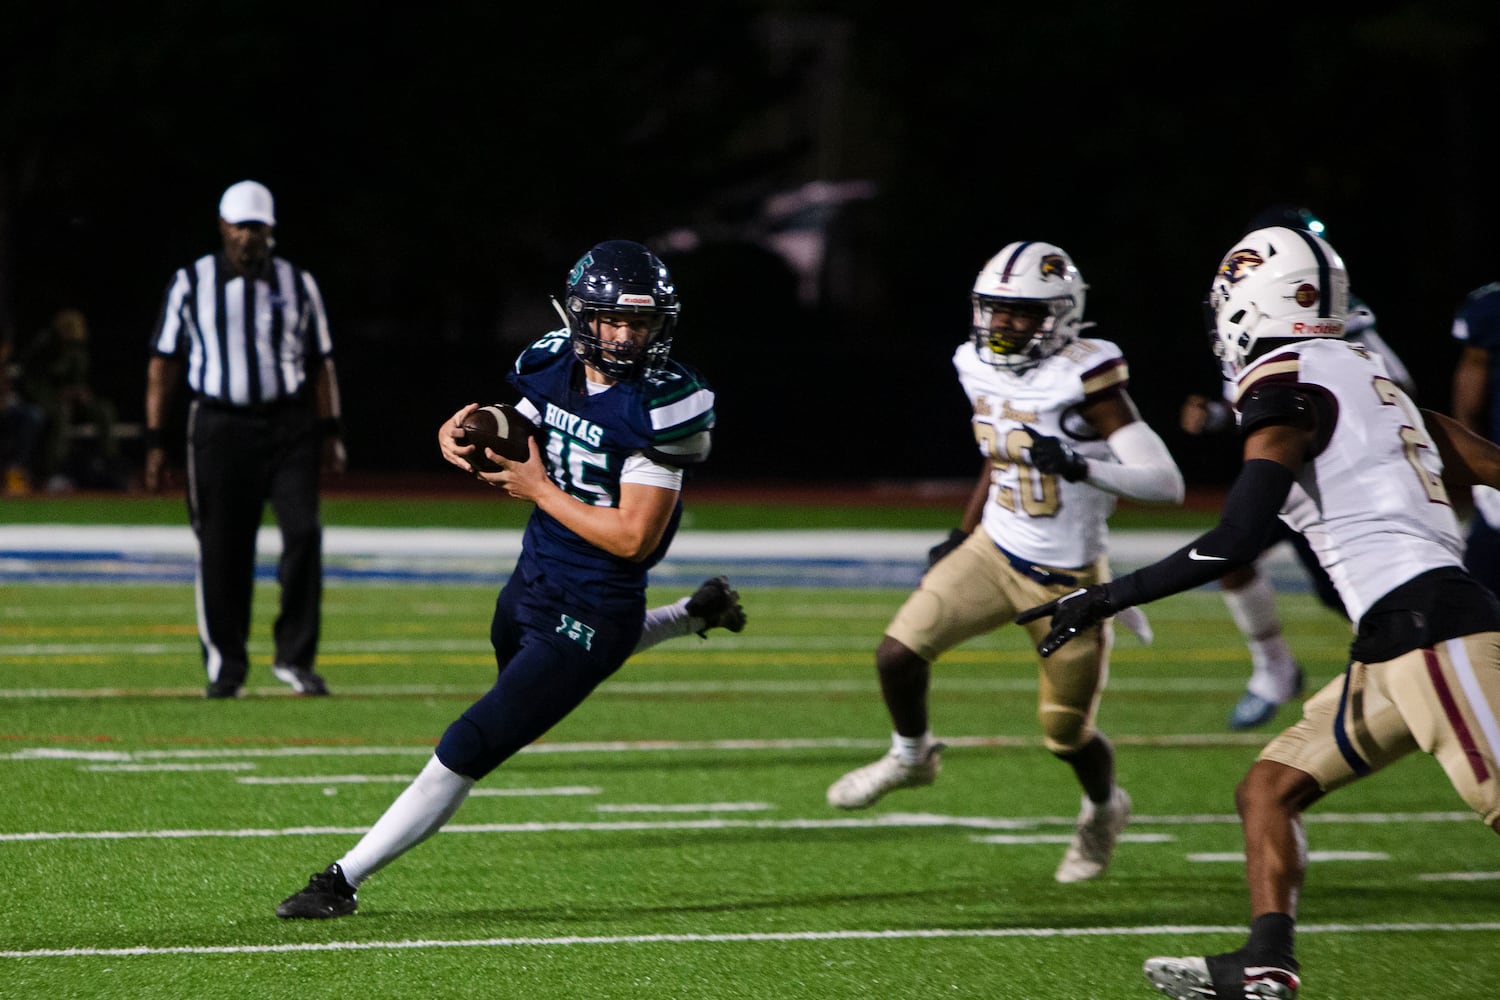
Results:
<point x="247" y="201"/>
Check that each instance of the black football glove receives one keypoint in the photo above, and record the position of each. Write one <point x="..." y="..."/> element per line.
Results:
<point x="1071" y="614"/>
<point x="1054" y="457"/>
<point x="955" y="539"/>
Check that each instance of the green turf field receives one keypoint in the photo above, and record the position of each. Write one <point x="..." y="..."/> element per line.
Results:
<point x="484" y="509"/>
<point x="670" y="839"/>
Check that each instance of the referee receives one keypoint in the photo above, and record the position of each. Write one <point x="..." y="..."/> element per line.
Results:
<point x="249" y="331"/>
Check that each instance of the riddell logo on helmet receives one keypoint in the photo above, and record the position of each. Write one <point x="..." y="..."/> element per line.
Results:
<point x="1306" y="295"/>
<point x="632" y="299"/>
<point x="1323" y="328"/>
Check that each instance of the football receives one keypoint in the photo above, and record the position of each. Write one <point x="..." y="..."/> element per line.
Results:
<point x="502" y="429"/>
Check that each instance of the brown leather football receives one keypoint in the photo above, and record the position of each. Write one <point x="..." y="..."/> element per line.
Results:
<point x="502" y="429"/>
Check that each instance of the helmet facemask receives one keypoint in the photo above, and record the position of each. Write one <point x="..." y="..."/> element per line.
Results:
<point x="1006" y="347"/>
<point x="621" y="360"/>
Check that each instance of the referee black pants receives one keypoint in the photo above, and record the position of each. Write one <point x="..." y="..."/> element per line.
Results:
<point x="237" y="461"/>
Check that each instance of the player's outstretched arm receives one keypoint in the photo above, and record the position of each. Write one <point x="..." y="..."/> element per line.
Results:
<point x="1253" y="503"/>
<point x="1468" y="459"/>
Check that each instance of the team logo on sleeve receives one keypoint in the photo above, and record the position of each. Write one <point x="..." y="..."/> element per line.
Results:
<point x="1238" y="265"/>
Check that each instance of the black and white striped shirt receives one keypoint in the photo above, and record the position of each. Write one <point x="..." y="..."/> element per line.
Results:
<point x="247" y="342"/>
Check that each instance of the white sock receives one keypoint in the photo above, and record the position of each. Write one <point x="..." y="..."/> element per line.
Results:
<point x="428" y="802"/>
<point x="1274" y="670"/>
<point x="911" y="749"/>
<point x="667" y="622"/>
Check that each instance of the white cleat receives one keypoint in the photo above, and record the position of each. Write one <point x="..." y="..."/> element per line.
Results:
<point x="1190" y="979"/>
<point x="1094" y="837"/>
<point x="865" y="785"/>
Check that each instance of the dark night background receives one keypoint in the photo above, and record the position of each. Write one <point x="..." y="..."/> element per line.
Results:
<point x="440" y="170"/>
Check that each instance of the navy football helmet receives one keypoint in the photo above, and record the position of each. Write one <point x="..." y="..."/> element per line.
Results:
<point x="622" y="278"/>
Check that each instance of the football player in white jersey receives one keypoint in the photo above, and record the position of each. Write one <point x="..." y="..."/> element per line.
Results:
<point x="1324" y="424"/>
<point x="1276" y="677"/>
<point x="1060" y="440"/>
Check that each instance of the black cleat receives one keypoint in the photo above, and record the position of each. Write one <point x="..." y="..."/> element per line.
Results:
<point x="717" y="604"/>
<point x="328" y="894"/>
<point x="301" y="679"/>
<point x="222" y="689"/>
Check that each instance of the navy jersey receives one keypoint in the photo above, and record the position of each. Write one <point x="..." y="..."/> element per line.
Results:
<point x="587" y="439"/>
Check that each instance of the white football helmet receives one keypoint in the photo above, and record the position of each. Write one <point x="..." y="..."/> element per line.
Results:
<point x="1276" y="284"/>
<point x="1027" y="277"/>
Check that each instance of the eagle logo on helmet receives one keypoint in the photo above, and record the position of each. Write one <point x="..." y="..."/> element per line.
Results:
<point x="1238" y="265"/>
<point x="1306" y="295"/>
<point x="1054" y="266"/>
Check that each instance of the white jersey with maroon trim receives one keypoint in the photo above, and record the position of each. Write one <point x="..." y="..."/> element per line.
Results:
<point x="1040" y="517"/>
<point x="1378" y="513"/>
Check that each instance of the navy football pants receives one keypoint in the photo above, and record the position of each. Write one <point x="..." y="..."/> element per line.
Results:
<point x="552" y="651"/>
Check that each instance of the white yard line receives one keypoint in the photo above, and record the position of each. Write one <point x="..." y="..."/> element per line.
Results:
<point x="1238" y="857"/>
<point x="1459" y="877"/>
<point x="683" y="807"/>
<point x="405" y="779"/>
<point x="879" y="821"/>
<point x="1022" y="839"/>
<point x="154" y="768"/>
<point x="1164" y="930"/>
<point x="617" y="688"/>
<point x="608" y="746"/>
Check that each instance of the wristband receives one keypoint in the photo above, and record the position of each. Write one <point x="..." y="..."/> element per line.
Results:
<point x="151" y="437"/>
<point x="331" y="427"/>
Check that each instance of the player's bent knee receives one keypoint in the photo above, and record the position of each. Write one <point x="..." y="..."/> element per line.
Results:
<point x="916" y="623"/>
<point x="893" y="657"/>
<point x="462" y="750"/>
<point x="1064" y="733"/>
<point x="1272" y="785"/>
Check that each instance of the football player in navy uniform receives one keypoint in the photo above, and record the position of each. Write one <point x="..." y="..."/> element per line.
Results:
<point x="1060" y="439"/>
<point x="1476" y="405"/>
<point x="620" y="419"/>
<point x="1368" y="478"/>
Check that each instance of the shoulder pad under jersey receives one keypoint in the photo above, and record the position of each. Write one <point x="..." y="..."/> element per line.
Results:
<point x="1106" y="376"/>
<point x="542" y="352"/>
<point x="1276" y="403"/>
<point x="680" y="406"/>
